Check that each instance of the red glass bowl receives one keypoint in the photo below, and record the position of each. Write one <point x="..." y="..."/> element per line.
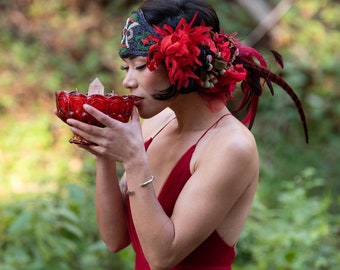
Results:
<point x="70" y="105"/>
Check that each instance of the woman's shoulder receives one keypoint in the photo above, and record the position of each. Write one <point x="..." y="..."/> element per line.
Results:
<point x="232" y="139"/>
<point x="238" y="135"/>
<point x="233" y="152"/>
<point x="152" y="125"/>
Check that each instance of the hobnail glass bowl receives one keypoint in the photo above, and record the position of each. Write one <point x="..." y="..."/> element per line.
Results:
<point x="70" y="105"/>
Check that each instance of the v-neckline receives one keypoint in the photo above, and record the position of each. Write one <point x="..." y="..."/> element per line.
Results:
<point x="190" y="151"/>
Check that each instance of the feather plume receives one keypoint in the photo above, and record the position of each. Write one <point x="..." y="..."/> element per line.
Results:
<point x="252" y="87"/>
<point x="278" y="58"/>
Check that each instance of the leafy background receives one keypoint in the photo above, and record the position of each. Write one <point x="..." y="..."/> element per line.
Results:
<point x="47" y="216"/>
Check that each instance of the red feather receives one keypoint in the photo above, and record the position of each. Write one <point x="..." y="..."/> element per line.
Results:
<point x="252" y="92"/>
<point x="278" y="58"/>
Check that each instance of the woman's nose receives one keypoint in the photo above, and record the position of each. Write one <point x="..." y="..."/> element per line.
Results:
<point x="129" y="82"/>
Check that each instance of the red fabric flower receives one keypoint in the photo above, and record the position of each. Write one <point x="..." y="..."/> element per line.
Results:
<point x="179" y="50"/>
<point x="227" y="74"/>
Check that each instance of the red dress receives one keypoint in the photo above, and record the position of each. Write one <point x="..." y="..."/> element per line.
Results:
<point x="214" y="253"/>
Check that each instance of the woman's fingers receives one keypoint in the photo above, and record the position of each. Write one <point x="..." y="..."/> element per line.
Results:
<point x="88" y="132"/>
<point x="85" y="130"/>
<point x="110" y="139"/>
<point x="101" y="117"/>
<point x="135" y="114"/>
<point x="106" y="120"/>
<point x="78" y="125"/>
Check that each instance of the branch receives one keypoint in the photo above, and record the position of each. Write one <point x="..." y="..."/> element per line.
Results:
<point x="267" y="19"/>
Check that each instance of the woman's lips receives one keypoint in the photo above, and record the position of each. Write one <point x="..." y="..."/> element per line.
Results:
<point x="138" y="100"/>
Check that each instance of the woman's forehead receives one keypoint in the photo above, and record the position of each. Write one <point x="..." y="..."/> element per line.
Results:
<point x="133" y="59"/>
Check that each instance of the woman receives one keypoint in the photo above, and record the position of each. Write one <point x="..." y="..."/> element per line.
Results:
<point x="191" y="169"/>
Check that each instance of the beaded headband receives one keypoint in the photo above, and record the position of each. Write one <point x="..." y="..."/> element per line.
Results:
<point x="134" y="35"/>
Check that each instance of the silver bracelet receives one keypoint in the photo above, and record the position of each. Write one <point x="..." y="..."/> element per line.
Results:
<point x="150" y="180"/>
<point x="130" y="192"/>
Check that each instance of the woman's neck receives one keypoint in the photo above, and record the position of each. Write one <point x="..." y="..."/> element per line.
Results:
<point x="193" y="114"/>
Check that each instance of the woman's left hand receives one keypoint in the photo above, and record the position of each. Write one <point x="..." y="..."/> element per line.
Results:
<point x="117" y="141"/>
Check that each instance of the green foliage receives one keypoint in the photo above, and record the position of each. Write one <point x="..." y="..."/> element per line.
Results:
<point x="294" y="231"/>
<point x="54" y="231"/>
<point x="47" y="218"/>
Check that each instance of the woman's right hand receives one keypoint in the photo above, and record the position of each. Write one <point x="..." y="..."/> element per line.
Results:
<point x="116" y="141"/>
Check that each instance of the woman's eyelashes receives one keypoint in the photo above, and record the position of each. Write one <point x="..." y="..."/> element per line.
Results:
<point x="139" y="67"/>
<point x="124" y="68"/>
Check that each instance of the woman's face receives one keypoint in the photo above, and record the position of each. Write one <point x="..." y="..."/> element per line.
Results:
<point x="143" y="83"/>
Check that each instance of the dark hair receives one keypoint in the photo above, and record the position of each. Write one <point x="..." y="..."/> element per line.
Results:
<point x="170" y="12"/>
<point x="160" y="12"/>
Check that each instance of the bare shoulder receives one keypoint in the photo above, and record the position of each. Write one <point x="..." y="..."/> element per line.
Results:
<point x="237" y="140"/>
<point x="234" y="137"/>
<point x="232" y="148"/>
<point x="152" y="125"/>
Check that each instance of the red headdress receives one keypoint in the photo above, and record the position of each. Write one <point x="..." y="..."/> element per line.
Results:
<point x="215" y="62"/>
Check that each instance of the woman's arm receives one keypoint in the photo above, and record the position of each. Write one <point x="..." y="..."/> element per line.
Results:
<point x="110" y="208"/>
<point x="224" y="173"/>
<point x="109" y="202"/>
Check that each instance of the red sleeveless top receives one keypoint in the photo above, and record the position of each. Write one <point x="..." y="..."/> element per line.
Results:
<point x="214" y="253"/>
